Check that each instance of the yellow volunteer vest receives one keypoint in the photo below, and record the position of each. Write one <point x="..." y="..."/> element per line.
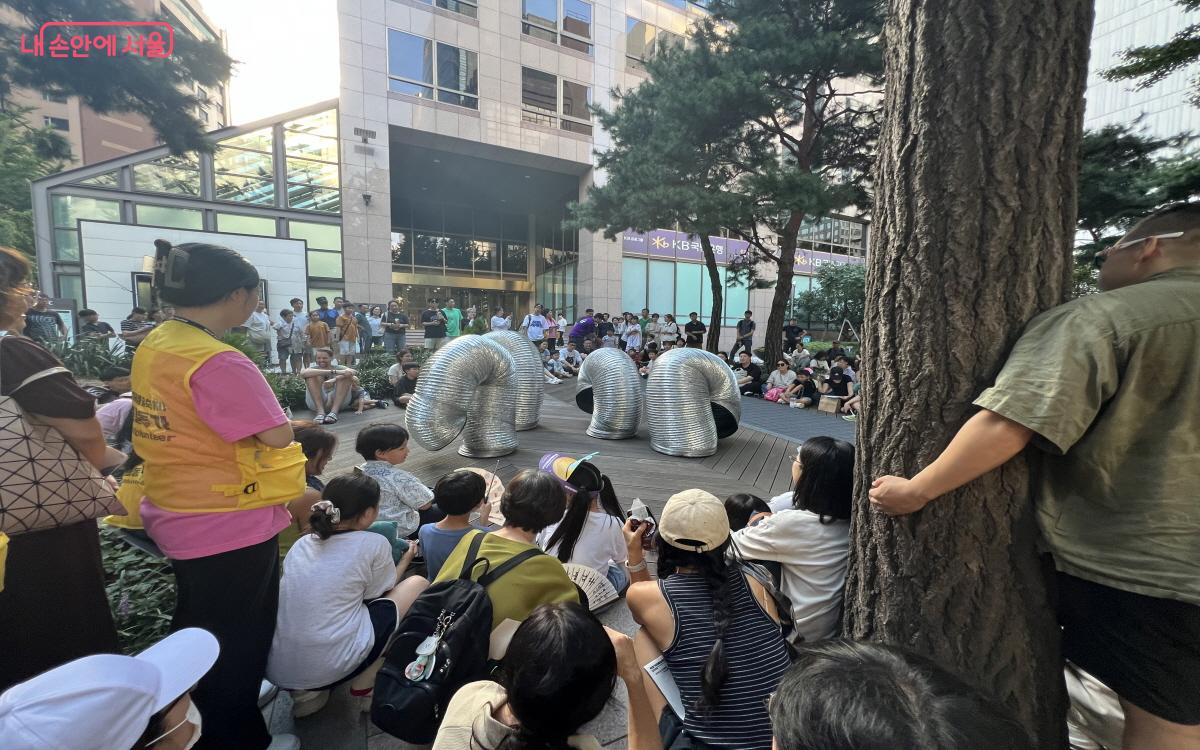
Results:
<point x="188" y="467"/>
<point x="130" y="494"/>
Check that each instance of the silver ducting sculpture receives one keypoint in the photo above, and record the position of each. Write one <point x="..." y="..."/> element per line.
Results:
<point x="468" y="388"/>
<point x="692" y="401"/>
<point x="610" y="389"/>
<point x="531" y="380"/>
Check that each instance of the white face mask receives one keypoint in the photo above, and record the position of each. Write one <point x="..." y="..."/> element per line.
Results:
<point x="191" y="717"/>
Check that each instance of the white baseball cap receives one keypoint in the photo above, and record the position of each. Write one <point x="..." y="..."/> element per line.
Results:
<point x="694" y="520"/>
<point x="105" y="701"/>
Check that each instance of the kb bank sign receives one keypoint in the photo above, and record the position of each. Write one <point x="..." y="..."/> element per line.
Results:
<point x="666" y="244"/>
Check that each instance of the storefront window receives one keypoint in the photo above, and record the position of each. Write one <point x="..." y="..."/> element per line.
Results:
<point x="67" y="210"/>
<point x="169" y="216"/>
<point x="170" y="174"/>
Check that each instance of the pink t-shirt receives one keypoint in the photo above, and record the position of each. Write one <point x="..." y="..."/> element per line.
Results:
<point x="232" y="398"/>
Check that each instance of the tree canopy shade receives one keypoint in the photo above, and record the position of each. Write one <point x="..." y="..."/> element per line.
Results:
<point x="669" y="164"/>
<point x="809" y="128"/>
<point x="26" y="153"/>
<point x="1152" y="63"/>
<point x="840" y="293"/>
<point x="158" y="88"/>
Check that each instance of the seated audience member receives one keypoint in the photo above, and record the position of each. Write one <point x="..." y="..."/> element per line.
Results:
<point x="532" y="501"/>
<point x="741" y="508"/>
<point x="803" y="391"/>
<point x="341" y="598"/>
<point x="851" y="408"/>
<point x="403" y="498"/>
<point x="800" y="357"/>
<point x="457" y="494"/>
<point x="836" y="350"/>
<point x="837" y="385"/>
<point x="589" y="346"/>
<point x="649" y="357"/>
<point x="810" y="535"/>
<point x="113" y="416"/>
<point x="555" y="366"/>
<point x="113" y="702"/>
<point x="822" y="704"/>
<point x="405" y="386"/>
<point x="116" y="383"/>
<point x="318" y="445"/>
<point x="558" y="674"/>
<point x="820" y="364"/>
<point x="543" y="351"/>
<point x="724" y="358"/>
<point x="725" y="651"/>
<point x="847" y="369"/>
<point x="779" y="380"/>
<point x="749" y="375"/>
<point x="329" y="387"/>
<point x="363" y="400"/>
<point x="572" y="359"/>
<point x="590" y="532"/>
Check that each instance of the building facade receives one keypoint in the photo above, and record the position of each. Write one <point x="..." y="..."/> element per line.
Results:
<point x="96" y="137"/>
<point x="1165" y="108"/>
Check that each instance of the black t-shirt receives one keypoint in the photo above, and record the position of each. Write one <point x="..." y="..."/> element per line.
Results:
<point x="745" y="328"/>
<point x="808" y="389"/>
<point x="835" y="352"/>
<point x="604" y="328"/>
<point x="392" y="322"/>
<point x="791" y="333"/>
<point x="694" y="330"/>
<point x="754" y="371"/>
<point x="435" y="331"/>
<point x="406" y="385"/>
<point x="97" y="327"/>
<point x="839" y="389"/>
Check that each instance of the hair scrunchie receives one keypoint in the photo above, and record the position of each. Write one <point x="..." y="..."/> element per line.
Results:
<point x="329" y="509"/>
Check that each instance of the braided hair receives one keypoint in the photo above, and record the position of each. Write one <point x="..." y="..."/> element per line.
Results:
<point x="717" y="574"/>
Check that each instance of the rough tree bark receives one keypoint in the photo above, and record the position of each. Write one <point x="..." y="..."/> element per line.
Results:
<point x="713" y="341"/>
<point x="784" y="273"/>
<point x="973" y="225"/>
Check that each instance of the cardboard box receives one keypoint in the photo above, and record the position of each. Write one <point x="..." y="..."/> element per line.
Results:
<point x="829" y="404"/>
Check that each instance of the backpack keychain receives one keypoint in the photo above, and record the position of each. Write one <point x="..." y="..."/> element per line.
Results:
<point x="421" y="667"/>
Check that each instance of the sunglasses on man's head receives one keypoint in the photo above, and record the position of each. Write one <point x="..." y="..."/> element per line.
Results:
<point x="1102" y="255"/>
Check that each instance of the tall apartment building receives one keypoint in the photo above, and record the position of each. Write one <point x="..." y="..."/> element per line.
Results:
<point x="96" y="137"/>
<point x="1165" y="108"/>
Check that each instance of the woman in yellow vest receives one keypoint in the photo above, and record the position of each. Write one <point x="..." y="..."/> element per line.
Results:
<point x="219" y="468"/>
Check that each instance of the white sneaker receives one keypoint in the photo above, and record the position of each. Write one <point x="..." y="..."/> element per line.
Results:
<point x="308" y="702"/>
<point x="284" y="742"/>
<point x="266" y="693"/>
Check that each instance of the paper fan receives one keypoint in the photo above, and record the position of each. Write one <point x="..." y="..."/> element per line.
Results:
<point x="598" y="589"/>
<point x="495" y="491"/>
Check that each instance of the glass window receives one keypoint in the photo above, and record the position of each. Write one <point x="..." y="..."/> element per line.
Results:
<point x="681" y="4"/>
<point x="486" y="259"/>
<point x="169" y="174"/>
<point x="541" y="14"/>
<point x="667" y="40"/>
<point x="66" y="245"/>
<point x="67" y="209"/>
<point x="241" y="224"/>
<point x="633" y="283"/>
<point x="539" y="96"/>
<point x="142" y="294"/>
<point x="70" y="286"/>
<point x="688" y="279"/>
<point x="259" y="140"/>
<point x="661" y="286"/>
<point x="320" y="173"/>
<point x="427" y="250"/>
<point x="736" y="302"/>
<point x="257" y="190"/>
<point x="639" y="38"/>
<point x="567" y="22"/>
<point x="516" y="258"/>
<point x="310" y="145"/>
<point x="457" y="76"/>
<point x="319" y="236"/>
<point x="169" y="216"/>
<point x="577" y="22"/>
<point x="57" y="123"/>
<point x="245" y="169"/>
<point x="321" y="263"/>
<point x="410" y="63"/>
<point x="575" y="100"/>
<point x="460" y="253"/>
<point x="402" y="249"/>
<point x="321" y="124"/>
<point x="459" y="6"/>
<point x="108" y="179"/>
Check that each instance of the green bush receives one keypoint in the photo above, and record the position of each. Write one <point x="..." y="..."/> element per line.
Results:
<point x="141" y="591"/>
<point x="241" y="342"/>
<point x="375" y="380"/>
<point x="289" y="389"/>
<point x="88" y="357"/>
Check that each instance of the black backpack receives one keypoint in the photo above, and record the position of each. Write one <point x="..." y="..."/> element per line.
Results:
<point x="454" y="619"/>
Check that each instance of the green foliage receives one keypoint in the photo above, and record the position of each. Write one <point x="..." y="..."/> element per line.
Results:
<point x="1152" y="63"/>
<point x="141" y="591"/>
<point x="157" y="88"/>
<point x="241" y="342"/>
<point x="289" y="389"/>
<point x="26" y="153"/>
<point x="87" y="357"/>
<point x="841" y="295"/>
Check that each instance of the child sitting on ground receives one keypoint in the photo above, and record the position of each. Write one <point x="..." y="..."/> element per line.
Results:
<point x="590" y="531"/>
<point x="341" y="598"/>
<point x="458" y="495"/>
<point x="555" y="366"/>
<point x="403" y="498"/>
<point x="362" y="400"/>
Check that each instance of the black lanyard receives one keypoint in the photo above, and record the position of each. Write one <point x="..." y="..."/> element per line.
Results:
<point x="194" y="324"/>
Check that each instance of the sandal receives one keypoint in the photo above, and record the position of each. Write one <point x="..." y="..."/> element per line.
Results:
<point x="331" y="419"/>
<point x="319" y="419"/>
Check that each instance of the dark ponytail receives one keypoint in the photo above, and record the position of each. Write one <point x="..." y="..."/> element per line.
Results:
<point x="716" y="572"/>
<point x="345" y="498"/>
<point x="588" y="479"/>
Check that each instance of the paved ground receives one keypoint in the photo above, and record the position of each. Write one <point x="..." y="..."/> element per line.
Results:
<point x="757" y="459"/>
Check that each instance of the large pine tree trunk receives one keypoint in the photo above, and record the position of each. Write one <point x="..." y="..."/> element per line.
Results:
<point x="713" y="342"/>
<point x="785" y="271"/>
<point x="974" y="218"/>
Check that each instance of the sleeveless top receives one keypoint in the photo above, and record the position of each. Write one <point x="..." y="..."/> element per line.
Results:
<point x="754" y="653"/>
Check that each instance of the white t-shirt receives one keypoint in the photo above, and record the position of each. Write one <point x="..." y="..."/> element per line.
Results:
<point x="258" y="326"/>
<point x="500" y="324"/>
<point x="814" y="557"/>
<point x="600" y="542"/>
<point x="323" y="631"/>
<point x="779" y="379"/>
<point x="535" y="326"/>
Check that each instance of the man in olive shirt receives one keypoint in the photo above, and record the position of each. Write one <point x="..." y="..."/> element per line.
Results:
<point x="1107" y="387"/>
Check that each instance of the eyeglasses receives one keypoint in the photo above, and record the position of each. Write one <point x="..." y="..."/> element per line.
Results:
<point x="1099" y="258"/>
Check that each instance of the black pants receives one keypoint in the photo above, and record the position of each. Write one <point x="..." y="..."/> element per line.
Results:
<point x="745" y="343"/>
<point x="234" y="596"/>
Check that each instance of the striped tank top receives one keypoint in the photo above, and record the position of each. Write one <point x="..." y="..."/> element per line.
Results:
<point x="754" y="652"/>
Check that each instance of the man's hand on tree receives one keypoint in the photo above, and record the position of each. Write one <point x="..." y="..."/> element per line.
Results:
<point x="897" y="496"/>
